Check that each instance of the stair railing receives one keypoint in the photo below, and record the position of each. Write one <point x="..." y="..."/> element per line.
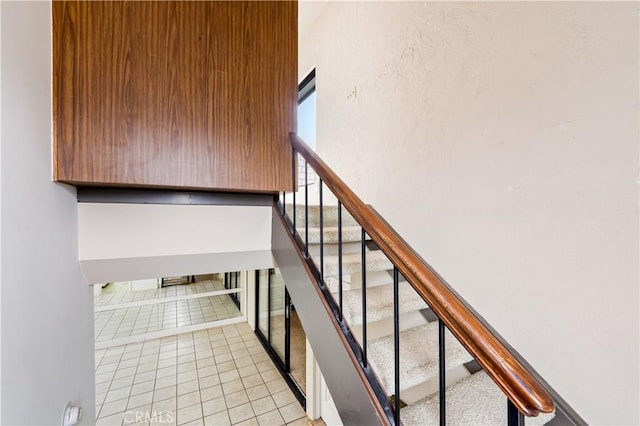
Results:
<point x="525" y="394"/>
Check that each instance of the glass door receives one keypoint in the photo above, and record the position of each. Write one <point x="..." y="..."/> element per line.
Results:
<point x="262" y="307"/>
<point x="277" y="315"/>
<point x="280" y="330"/>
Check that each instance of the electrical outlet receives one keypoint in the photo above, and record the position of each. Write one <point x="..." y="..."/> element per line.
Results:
<point x="71" y="414"/>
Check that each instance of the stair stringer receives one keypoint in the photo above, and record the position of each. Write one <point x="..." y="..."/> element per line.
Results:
<point x="342" y="376"/>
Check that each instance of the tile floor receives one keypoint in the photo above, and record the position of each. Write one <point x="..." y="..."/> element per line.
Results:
<point x="116" y="323"/>
<point x="116" y="293"/>
<point x="219" y="376"/>
<point x="131" y="321"/>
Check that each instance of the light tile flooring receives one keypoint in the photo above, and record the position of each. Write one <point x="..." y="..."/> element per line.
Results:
<point x="116" y="323"/>
<point x="219" y="376"/>
<point x="116" y="293"/>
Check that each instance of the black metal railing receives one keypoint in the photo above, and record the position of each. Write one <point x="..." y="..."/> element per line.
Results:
<point x="318" y="272"/>
<point x="390" y="406"/>
<point x="360" y="350"/>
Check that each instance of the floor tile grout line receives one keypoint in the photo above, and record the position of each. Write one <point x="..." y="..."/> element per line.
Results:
<point x="158" y="300"/>
<point x="197" y="377"/>
<point x="168" y="332"/>
<point x="134" y="377"/>
<point x="136" y="320"/>
<point x="111" y="382"/>
<point x="155" y="382"/>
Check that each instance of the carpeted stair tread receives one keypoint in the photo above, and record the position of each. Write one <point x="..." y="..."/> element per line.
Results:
<point x="352" y="263"/>
<point x="329" y="216"/>
<point x="380" y="302"/>
<point x="349" y="234"/>
<point x="475" y="400"/>
<point x="418" y="356"/>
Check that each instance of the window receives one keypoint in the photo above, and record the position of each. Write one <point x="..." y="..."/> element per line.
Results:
<point x="307" y="120"/>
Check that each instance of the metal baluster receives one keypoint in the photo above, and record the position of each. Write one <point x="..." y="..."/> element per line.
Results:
<point x="257" y="304"/>
<point x="396" y="342"/>
<point x="284" y="203"/>
<point x="293" y="178"/>
<point x="514" y="416"/>
<point x="287" y="331"/>
<point x="269" y="305"/>
<point x="321" y="235"/>
<point x="364" y="300"/>
<point x="306" y="211"/>
<point x="340" y="258"/>
<point x="441" y="362"/>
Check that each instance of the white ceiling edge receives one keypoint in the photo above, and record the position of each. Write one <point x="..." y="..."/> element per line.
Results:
<point x="136" y="268"/>
<point x="119" y="230"/>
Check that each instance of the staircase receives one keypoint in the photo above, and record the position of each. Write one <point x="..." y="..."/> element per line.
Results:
<point x="472" y="398"/>
<point x="395" y="349"/>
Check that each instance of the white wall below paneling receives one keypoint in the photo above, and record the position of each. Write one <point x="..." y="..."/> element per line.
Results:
<point x="136" y="268"/>
<point x="141" y="241"/>
<point x="111" y="231"/>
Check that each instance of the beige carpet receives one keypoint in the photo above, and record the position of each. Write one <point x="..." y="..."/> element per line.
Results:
<point x="475" y="400"/>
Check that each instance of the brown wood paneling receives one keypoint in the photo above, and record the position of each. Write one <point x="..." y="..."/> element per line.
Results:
<point x="175" y="94"/>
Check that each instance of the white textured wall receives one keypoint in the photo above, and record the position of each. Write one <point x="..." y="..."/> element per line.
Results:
<point x="501" y="140"/>
<point x="47" y="308"/>
<point x="110" y="231"/>
<point x="136" y="241"/>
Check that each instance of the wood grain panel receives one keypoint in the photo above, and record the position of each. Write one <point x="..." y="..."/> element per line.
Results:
<point x="175" y="94"/>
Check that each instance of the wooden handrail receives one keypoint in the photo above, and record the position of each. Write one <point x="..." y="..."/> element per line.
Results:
<point x="526" y="393"/>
